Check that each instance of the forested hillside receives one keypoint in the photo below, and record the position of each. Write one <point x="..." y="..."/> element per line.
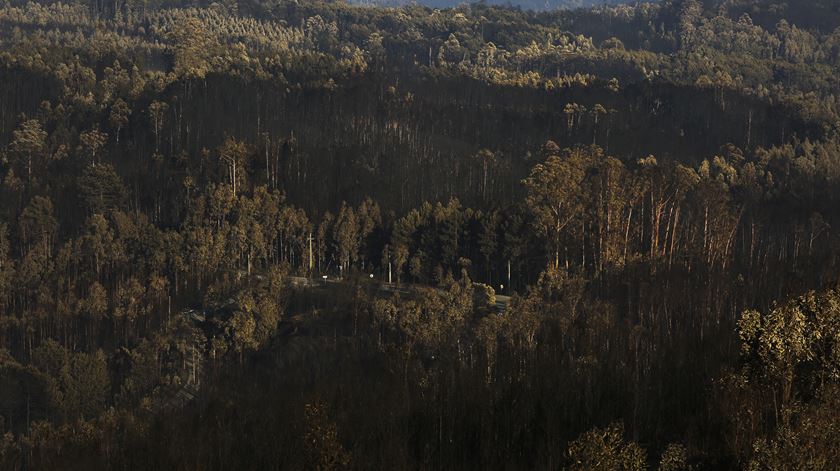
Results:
<point x="536" y="5"/>
<point x="306" y="235"/>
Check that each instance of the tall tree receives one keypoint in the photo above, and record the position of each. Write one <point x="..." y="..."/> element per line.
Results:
<point x="233" y="154"/>
<point x="92" y="142"/>
<point x="555" y="195"/>
<point x="118" y="117"/>
<point x="157" y="115"/>
<point x="38" y="223"/>
<point x="346" y="237"/>
<point x="29" y="144"/>
<point x="192" y="47"/>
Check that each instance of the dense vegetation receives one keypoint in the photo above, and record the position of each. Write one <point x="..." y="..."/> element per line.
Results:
<point x="609" y="232"/>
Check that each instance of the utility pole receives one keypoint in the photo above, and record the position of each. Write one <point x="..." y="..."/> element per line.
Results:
<point x="508" y="274"/>
<point x="310" y="254"/>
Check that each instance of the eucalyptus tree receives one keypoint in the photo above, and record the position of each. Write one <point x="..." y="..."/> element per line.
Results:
<point x="118" y="117"/>
<point x="555" y="196"/>
<point x="29" y="145"/>
<point x="233" y="154"/>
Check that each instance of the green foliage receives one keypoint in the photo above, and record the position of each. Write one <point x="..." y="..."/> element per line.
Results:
<point x="101" y="189"/>
<point x="191" y="49"/>
<point x="674" y="458"/>
<point x="794" y="339"/>
<point x="605" y="449"/>
<point x="789" y="356"/>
